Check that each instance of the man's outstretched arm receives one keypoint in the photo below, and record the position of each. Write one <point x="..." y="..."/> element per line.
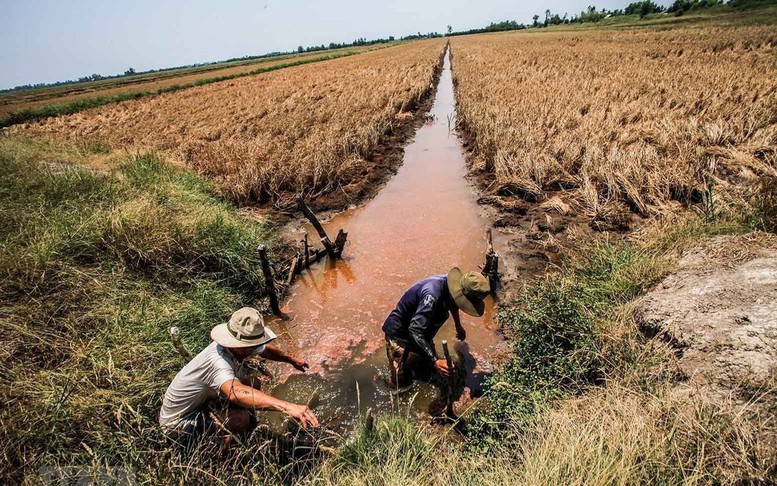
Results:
<point x="461" y="333"/>
<point x="417" y="330"/>
<point x="253" y="399"/>
<point x="274" y="353"/>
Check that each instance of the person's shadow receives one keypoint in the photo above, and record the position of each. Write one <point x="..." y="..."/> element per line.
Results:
<point x="469" y="377"/>
<point x="466" y="377"/>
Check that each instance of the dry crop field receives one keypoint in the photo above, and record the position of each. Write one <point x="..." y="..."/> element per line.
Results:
<point x="35" y="98"/>
<point x="622" y="121"/>
<point x="264" y="138"/>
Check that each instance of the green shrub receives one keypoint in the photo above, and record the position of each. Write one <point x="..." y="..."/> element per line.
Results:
<point x="555" y="352"/>
<point x="560" y="329"/>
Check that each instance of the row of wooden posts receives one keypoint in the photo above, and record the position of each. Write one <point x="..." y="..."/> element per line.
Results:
<point x="308" y="256"/>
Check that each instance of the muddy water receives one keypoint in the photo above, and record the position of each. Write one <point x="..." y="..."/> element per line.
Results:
<point x="423" y="222"/>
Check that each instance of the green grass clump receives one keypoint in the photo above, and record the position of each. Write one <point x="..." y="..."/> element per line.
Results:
<point x="558" y="348"/>
<point x="94" y="269"/>
<point x="397" y="447"/>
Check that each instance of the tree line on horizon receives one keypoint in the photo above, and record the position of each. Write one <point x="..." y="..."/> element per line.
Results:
<point x="590" y="14"/>
<point x="301" y="49"/>
<point x="362" y="41"/>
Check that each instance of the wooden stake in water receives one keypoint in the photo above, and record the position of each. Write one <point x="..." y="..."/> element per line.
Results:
<point x="269" y="282"/>
<point x="449" y="407"/>
<point x="340" y="240"/>
<point x="307" y="252"/>
<point x="491" y="266"/>
<point x="292" y="271"/>
<point x="317" y="225"/>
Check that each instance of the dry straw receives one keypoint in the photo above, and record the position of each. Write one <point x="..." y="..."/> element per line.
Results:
<point x="263" y="138"/>
<point x="628" y="121"/>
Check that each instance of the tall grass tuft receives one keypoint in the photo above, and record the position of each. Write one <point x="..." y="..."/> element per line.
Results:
<point x="397" y="451"/>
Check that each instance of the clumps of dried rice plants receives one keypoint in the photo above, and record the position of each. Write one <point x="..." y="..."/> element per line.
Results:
<point x="622" y="122"/>
<point x="264" y="138"/>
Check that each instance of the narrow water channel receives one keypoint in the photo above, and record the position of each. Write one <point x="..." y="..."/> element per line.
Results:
<point x="423" y="222"/>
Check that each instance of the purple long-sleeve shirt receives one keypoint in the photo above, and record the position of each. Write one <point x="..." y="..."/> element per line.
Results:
<point x="419" y="314"/>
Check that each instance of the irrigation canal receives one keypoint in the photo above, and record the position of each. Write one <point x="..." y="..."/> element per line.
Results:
<point x="425" y="220"/>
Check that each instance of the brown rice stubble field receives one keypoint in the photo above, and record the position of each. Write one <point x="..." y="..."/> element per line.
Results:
<point x="36" y="98"/>
<point x="264" y="138"/>
<point x="618" y="123"/>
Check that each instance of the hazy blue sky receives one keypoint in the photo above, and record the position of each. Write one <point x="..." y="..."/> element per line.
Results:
<point x="51" y="40"/>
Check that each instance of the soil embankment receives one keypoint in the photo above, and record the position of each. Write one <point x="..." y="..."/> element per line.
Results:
<point x="719" y="310"/>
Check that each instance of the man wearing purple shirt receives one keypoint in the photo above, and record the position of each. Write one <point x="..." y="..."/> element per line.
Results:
<point x="421" y="312"/>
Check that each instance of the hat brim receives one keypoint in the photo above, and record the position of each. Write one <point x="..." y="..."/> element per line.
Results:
<point x="221" y="335"/>
<point x="474" y="307"/>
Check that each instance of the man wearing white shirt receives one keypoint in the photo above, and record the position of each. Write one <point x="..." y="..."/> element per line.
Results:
<point x="217" y="374"/>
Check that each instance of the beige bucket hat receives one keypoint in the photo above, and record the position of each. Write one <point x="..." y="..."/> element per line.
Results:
<point x="244" y="329"/>
<point x="468" y="291"/>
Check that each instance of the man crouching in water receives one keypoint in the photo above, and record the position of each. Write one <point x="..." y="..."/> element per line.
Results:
<point x="421" y="312"/>
<point x="218" y="374"/>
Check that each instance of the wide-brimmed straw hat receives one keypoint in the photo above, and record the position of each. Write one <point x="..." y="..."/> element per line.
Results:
<point x="244" y="329"/>
<point x="468" y="291"/>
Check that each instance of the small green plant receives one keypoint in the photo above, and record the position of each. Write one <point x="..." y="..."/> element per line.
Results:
<point x="709" y="205"/>
<point x="93" y="147"/>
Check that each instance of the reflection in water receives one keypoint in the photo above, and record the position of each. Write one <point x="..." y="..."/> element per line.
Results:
<point x="424" y="221"/>
<point x="320" y="282"/>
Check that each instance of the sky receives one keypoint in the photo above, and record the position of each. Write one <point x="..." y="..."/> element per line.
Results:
<point x="54" y="40"/>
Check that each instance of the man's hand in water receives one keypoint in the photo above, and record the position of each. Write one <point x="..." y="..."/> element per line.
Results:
<point x="302" y="414"/>
<point x="442" y="367"/>
<point x="274" y="353"/>
<point x="461" y="334"/>
<point x="300" y="364"/>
